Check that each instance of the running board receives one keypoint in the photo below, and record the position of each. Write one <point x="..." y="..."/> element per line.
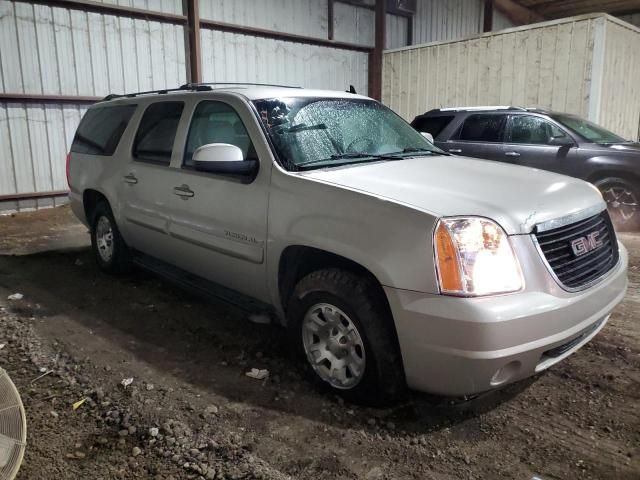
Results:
<point x="202" y="287"/>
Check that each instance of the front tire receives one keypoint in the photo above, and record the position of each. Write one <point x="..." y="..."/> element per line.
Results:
<point x="343" y="331"/>
<point x="623" y="202"/>
<point x="109" y="248"/>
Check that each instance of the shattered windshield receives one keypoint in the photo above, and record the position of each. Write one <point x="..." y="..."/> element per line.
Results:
<point x="324" y="132"/>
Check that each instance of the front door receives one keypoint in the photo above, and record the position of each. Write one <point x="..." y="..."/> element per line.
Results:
<point x="220" y="222"/>
<point x="147" y="180"/>
<point x="480" y="136"/>
<point x="535" y="142"/>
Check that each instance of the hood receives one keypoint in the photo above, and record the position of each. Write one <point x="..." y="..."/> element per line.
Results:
<point x="623" y="148"/>
<point x="516" y="197"/>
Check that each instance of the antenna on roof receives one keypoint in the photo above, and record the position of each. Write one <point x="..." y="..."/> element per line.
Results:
<point x="352" y="89"/>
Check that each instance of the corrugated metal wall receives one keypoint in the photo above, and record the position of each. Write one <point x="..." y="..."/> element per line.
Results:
<point x="71" y="52"/>
<point x="249" y="59"/>
<point x="633" y="19"/>
<point x="501" y="21"/>
<point x="244" y="58"/>
<point x="353" y="24"/>
<point x="302" y="17"/>
<point x="165" y="6"/>
<point x="34" y="140"/>
<point x="397" y="29"/>
<point x="49" y="50"/>
<point x="620" y="90"/>
<point x="440" y="20"/>
<point x="546" y="65"/>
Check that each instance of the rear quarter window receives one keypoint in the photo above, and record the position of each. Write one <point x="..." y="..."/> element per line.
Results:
<point x="101" y="128"/>
<point x="433" y="125"/>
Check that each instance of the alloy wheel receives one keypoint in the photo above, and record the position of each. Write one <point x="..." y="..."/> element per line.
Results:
<point x="333" y="346"/>
<point x="104" y="239"/>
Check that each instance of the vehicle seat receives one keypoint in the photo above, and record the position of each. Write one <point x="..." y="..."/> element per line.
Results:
<point x="520" y="134"/>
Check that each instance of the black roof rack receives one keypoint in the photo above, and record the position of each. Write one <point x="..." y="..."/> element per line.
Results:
<point x="238" y="84"/>
<point x="182" y="88"/>
<point x="480" y="108"/>
<point x="192" y="87"/>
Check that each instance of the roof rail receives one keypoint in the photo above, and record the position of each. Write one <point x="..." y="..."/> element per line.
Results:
<point x="186" y="87"/>
<point x="480" y="108"/>
<point x="192" y="87"/>
<point x="223" y="84"/>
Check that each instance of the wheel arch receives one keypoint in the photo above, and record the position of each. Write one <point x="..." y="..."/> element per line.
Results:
<point x="297" y="261"/>
<point x="90" y="199"/>
<point x="603" y="174"/>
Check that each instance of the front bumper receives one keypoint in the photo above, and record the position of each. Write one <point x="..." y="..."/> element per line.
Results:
<point x="460" y="346"/>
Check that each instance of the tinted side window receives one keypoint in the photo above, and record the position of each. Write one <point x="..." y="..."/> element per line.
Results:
<point x="101" y="128"/>
<point x="433" y="125"/>
<point x="483" y="128"/>
<point x="533" y="130"/>
<point x="217" y="122"/>
<point x="157" y="131"/>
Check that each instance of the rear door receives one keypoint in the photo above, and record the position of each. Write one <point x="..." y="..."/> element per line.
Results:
<point x="148" y="179"/>
<point x="534" y="141"/>
<point x="481" y="135"/>
<point x="219" y="223"/>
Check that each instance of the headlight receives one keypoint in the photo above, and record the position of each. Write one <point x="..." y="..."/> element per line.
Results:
<point x="474" y="257"/>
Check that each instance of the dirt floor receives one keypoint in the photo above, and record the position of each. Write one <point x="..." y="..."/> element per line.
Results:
<point x="190" y="411"/>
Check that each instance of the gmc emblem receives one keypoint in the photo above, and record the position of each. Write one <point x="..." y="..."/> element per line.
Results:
<point x="584" y="245"/>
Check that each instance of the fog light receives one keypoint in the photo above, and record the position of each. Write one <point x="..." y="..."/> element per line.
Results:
<point x="506" y="373"/>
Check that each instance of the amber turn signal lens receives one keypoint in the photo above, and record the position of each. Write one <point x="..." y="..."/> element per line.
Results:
<point x="448" y="263"/>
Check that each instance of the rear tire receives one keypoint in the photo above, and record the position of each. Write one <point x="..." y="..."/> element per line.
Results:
<point x="343" y="331"/>
<point x="623" y="202"/>
<point x="109" y="248"/>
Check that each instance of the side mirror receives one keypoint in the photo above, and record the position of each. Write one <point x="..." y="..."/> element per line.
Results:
<point x="562" y="141"/>
<point x="428" y="136"/>
<point x="223" y="159"/>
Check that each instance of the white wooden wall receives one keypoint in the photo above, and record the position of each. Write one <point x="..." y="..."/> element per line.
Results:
<point x="619" y="107"/>
<point x="547" y="65"/>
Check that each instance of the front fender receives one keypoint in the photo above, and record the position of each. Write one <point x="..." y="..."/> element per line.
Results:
<point x="392" y="241"/>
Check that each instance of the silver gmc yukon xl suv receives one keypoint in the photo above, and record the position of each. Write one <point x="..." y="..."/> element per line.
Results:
<point x="390" y="262"/>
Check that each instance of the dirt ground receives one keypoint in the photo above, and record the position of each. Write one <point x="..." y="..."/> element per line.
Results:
<point x="190" y="411"/>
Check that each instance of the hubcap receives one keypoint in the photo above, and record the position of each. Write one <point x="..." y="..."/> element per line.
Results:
<point x="622" y="201"/>
<point x="333" y="346"/>
<point x="104" y="239"/>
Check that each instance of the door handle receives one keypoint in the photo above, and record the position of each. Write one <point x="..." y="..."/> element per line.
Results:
<point x="131" y="179"/>
<point x="183" y="191"/>
<point x="455" y="150"/>
<point x="512" y="154"/>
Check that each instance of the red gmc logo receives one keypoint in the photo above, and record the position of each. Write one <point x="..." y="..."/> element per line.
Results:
<point x="584" y="245"/>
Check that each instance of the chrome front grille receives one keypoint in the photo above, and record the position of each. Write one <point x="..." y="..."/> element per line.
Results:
<point x="581" y="252"/>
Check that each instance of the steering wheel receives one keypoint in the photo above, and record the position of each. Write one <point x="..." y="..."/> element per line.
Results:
<point x="366" y="142"/>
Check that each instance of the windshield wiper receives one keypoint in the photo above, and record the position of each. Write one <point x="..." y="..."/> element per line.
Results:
<point x="358" y="157"/>
<point x="301" y="127"/>
<point x="421" y="150"/>
<point x="340" y="156"/>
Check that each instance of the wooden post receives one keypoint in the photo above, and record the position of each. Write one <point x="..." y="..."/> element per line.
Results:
<point x="193" y="25"/>
<point x="375" y="57"/>
<point x="488" y="16"/>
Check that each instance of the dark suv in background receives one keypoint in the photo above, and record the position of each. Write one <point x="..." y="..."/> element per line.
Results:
<point x="553" y="141"/>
